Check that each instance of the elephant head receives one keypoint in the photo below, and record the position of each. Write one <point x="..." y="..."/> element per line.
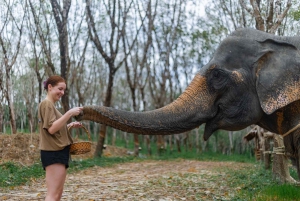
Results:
<point x="253" y="78"/>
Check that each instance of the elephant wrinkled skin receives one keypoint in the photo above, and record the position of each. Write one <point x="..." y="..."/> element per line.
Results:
<point x="253" y="78"/>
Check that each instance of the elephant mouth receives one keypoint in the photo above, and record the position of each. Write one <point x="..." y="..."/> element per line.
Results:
<point x="211" y="124"/>
<point x="229" y="118"/>
<point x="220" y="121"/>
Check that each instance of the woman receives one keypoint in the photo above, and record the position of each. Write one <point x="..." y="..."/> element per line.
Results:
<point x="55" y="139"/>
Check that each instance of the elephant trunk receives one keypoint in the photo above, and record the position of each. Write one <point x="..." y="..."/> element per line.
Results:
<point x="188" y="111"/>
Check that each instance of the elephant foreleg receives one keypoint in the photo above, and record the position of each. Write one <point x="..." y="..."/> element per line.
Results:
<point x="298" y="163"/>
<point x="296" y="140"/>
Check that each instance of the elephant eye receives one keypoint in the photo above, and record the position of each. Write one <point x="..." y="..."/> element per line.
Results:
<point x="216" y="74"/>
<point x="218" y="79"/>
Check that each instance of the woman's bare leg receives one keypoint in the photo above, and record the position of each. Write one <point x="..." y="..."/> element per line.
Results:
<point x="55" y="179"/>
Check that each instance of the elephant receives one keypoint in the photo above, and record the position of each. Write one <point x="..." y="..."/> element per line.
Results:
<point x="253" y="78"/>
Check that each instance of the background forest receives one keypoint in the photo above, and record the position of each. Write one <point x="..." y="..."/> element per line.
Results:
<point x="135" y="55"/>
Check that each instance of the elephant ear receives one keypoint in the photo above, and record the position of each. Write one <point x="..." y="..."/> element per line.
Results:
<point x="278" y="75"/>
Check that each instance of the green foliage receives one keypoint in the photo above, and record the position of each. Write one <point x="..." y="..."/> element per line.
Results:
<point x="14" y="175"/>
<point x="279" y="192"/>
<point x="204" y="156"/>
<point x="296" y="15"/>
<point x="257" y="184"/>
<point x="293" y="172"/>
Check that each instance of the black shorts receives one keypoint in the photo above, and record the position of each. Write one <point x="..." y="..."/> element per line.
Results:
<point x="52" y="157"/>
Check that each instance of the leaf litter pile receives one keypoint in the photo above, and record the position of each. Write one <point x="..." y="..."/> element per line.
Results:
<point x="146" y="180"/>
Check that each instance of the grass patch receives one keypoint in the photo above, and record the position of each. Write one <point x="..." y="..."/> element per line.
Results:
<point x="256" y="184"/>
<point x="282" y="192"/>
<point x="14" y="175"/>
<point x="204" y="156"/>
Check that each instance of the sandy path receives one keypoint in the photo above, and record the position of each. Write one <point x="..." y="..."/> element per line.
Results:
<point x="148" y="180"/>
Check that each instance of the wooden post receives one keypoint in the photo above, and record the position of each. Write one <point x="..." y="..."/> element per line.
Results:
<point x="280" y="167"/>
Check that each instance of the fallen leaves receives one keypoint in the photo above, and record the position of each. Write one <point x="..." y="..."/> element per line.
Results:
<point x="143" y="181"/>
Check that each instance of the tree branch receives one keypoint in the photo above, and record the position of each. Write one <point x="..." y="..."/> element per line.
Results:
<point x="280" y="17"/>
<point x="257" y="15"/>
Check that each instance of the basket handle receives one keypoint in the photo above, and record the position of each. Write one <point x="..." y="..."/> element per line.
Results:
<point x="85" y="129"/>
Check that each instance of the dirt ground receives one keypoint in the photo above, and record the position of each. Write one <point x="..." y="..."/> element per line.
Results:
<point x="142" y="181"/>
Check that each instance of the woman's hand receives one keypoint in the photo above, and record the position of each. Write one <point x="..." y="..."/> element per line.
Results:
<point x="62" y="121"/>
<point x="74" y="124"/>
<point x="75" y="111"/>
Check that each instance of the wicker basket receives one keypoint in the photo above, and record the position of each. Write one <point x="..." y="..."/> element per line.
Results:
<point x="81" y="147"/>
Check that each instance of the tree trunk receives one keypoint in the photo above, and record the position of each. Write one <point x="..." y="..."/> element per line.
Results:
<point x="160" y="145"/>
<point x="230" y="135"/>
<point x="178" y="142"/>
<point x="267" y="157"/>
<point x="10" y="105"/>
<point x="261" y="141"/>
<point x="148" y="144"/>
<point x="28" y="96"/>
<point x="126" y="139"/>
<point x="216" y="142"/>
<point x="113" y="141"/>
<point x="197" y="140"/>
<point x="100" y="143"/>
<point x="1" y="117"/>
<point x="171" y="142"/>
<point x="204" y="145"/>
<point x="9" y="58"/>
<point x="136" y="145"/>
<point x="61" y="19"/>
<point x="1" y="100"/>
<point x="184" y="141"/>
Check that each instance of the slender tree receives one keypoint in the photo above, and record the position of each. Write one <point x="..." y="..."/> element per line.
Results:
<point x="117" y="13"/>
<point x="11" y="33"/>
<point x="42" y="27"/>
<point x="35" y="61"/>
<point x="61" y="18"/>
<point x="270" y="20"/>
<point x="2" y="92"/>
<point x="164" y="81"/>
<point x="136" y="61"/>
